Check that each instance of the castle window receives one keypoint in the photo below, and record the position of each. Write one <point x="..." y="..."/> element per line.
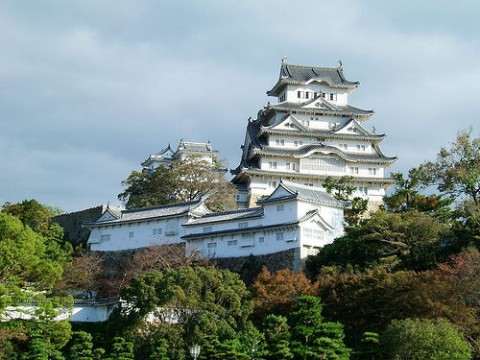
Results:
<point x="307" y="94"/>
<point x="343" y="146"/>
<point x="279" y="236"/>
<point x="354" y="170"/>
<point x="299" y="94"/>
<point x="361" y="147"/>
<point x="261" y="239"/>
<point x="280" y="207"/>
<point x="272" y="164"/>
<point x="272" y="183"/>
<point x="315" y="94"/>
<point x="282" y="98"/>
<point x="232" y="242"/>
<point x="372" y="171"/>
<point x="212" y="245"/>
<point x="207" y="229"/>
<point x="332" y="97"/>
<point x="363" y="190"/>
<point x="106" y="237"/>
<point x="130" y="235"/>
<point x="287" y="166"/>
<point x="242" y="225"/>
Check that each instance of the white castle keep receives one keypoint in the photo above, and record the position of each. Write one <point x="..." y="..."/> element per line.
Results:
<point x="308" y="134"/>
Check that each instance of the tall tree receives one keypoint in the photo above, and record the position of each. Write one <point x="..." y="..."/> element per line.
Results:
<point x="342" y="189"/>
<point x="407" y="196"/>
<point x="456" y="171"/>
<point x="185" y="180"/>
<point x="277" y="292"/>
<point x="277" y="337"/>
<point x="25" y="258"/>
<point x="312" y="338"/>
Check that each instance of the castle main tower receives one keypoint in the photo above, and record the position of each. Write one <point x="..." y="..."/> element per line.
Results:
<point x="308" y="133"/>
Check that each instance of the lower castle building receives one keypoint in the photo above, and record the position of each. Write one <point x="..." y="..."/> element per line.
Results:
<point x="294" y="217"/>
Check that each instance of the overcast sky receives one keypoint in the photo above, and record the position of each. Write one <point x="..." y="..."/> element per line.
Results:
<point x="89" y="88"/>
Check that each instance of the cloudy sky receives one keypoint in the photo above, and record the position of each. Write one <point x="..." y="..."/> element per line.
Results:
<point x="88" y="88"/>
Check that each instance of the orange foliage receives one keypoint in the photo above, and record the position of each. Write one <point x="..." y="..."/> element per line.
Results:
<point x="276" y="293"/>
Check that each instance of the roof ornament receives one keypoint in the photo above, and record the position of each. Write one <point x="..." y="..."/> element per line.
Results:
<point x="284" y="59"/>
<point x="341" y="64"/>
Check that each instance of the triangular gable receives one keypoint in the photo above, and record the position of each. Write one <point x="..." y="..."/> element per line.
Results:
<point x="290" y="123"/>
<point x="280" y="193"/>
<point x="318" y="221"/>
<point x="108" y="215"/>
<point x="319" y="103"/>
<point x="352" y="127"/>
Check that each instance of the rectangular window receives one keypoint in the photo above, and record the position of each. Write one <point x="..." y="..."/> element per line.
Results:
<point x="372" y="171"/>
<point x="106" y="237"/>
<point x="212" y="245"/>
<point x="207" y="229"/>
<point x="354" y="170"/>
<point x="279" y="142"/>
<point x="280" y="207"/>
<point x="157" y="231"/>
<point x="279" y="236"/>
<point x="243" y="225"/>
<point x="299" y="94"/>
<point x="272" y="183"/>
<point x="315" y="94"/>
<point x="294" y="166"/>
<point x="363" y="190"/>
<point x="272" y="164"/>
<point x="130" y="235"/>
<point x="287" y="166"/>
<point x="232" y="242"/>
<point x="261" y="239"/>
<point x="307" y="94"/>
<point x="361" y="148"/>
<point x="332" y="97"/>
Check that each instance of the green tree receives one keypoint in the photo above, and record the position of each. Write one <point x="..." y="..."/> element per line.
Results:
<point x="185" y="180"/>
<point x="312" y="338"/>
<point x="82" y="346"/>
<point x="408" y="196"/>
<point x="342" y="189"/>
<point x="456" y="171"/>
<point x="408" y="240"/>
<point x="25" y="258"/>
<point x="206" y="301"/>
<point x="277" y="337"/>
<point x="121" y="349"/>
<point x="417" y="339"/>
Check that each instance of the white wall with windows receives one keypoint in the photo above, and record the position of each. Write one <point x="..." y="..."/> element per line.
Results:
<point x="135" y="235"/>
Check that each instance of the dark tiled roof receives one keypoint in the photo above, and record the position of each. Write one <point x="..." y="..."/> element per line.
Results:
<point x="149" y="213"/>
<point x="195" y="147"/>
<point x="345" y="110"/>
<point x="310" y="148"/>
<point x="301" y="74"/>
<point x="227" y="216"/>
<point x="306" y="193"/>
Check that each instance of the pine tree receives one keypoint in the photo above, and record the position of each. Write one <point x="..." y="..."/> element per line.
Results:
<point x="277" y="337"/>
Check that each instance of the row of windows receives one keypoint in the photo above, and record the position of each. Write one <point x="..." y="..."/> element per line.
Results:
<point x="319" y="164"/>
<point x="213" y="245"/>
<point x="313" y="95"/>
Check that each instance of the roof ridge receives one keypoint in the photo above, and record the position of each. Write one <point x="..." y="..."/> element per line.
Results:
<point x="155" y="207"/>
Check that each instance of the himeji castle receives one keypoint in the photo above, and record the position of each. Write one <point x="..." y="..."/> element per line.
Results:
<point x="308" y="133"/>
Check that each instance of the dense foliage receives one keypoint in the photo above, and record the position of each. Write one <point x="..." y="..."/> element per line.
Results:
<point x="401" y="284"/>
<point x="185" y="180"/>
